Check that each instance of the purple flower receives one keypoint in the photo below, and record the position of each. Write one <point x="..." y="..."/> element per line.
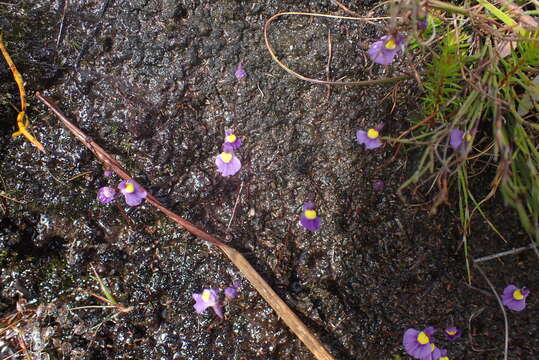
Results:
<point x="231" y="292"/>
<point x="437" y="354"/>
<point x="107" y="173"/>
<point x="384" y="50"/>
<point x="422" y="23"/>
<point x="227" y="162"/>
<point x="418" y="343"/>
<point x="459" y="140"/>
<point x="370" y="138"/>
<point x="452" y="333"/>
<point x="378" y="186"/>
<point x="232" y="139"/>
<point x="106" y="194"/>
<point x="133" y="192"/>
<point x="240" y="72"/>
<point x="208" y="298"/>
<point x="309" y="219"/>
<point x="456" y="140"/>
<point x="515" y="298"/>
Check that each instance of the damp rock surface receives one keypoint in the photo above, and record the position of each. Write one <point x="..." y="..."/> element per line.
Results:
<point x="153" y="83"/>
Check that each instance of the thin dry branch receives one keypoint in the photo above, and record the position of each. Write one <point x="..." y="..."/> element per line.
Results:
<point x="280" y="307"/>
<point x="506" y="322"/>
<point x="318" y="81"/>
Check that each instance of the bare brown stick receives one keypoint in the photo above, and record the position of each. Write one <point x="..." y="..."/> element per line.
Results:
<point x="506" y="322"/>
<point x="235" y="207"/>
<point x="505" y="253"/>
<point x="342" y="6"/>
<point x="280" y="307"/>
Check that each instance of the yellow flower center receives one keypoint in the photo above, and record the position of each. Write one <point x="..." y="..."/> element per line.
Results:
<point x="422" y="338"/>
<point x="226" y="157"/>
<point x="230" y="138"/>
<point x="372" y="134"/>
<point x="390" y="45"/>
<point x="468" y="137"/>
<point x="206" y="295"/>
<point x="517" y="295"/>
<point x="449" y="332"/>
<point x="432" y="347"/>
<point x="129" y="188"/>
<point x="310" y="214"/>
<point x="444" y="358"/>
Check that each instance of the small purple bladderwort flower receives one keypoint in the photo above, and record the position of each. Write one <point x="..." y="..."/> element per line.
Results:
<point x="452" y="333"/>
<point x="133" y="192"/>
<point x="309" y="218"/>
<point x="378" y="186"/>
<point x="208" y="298"/>
<point x="240" y="72"/>
<point x="227" y="162"/>
<point x="106" y="194"/>
<point x="515" y="298"/>
<point x="231" y="292"/>
<point x="459" y="140"/>
<point x="107" y="173"/>
<point x="418" y="343"/>
<point x="369" y="138"/>
<point x="384" y="50"/>
<point x="232" y="139"/>
<point x="422" y="23"/>
<point x="437" y="354"/>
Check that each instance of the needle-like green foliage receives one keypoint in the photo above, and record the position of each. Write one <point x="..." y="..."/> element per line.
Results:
<point x="489" y="89"/>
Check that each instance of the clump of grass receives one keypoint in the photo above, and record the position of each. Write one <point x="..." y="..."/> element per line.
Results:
<point x="483" y="79"/>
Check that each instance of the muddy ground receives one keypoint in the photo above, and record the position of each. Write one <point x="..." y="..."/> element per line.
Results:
<point x="152" y="81"/>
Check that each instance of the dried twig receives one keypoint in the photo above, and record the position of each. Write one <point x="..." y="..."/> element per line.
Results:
<point x="235" y="206"/>
<point x="280" y="307"/>
<point x="345" y="9"/>
<point x="506" y="322"/>
<point x="505" y="253"/>
<point x="318" y="81"/>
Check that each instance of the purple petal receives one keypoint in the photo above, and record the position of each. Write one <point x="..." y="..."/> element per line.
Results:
<point x="308" y="205"/>
<point x="228" y="169"/>
<point x="106" y="194"/>
<point x="361" y="137"/>
<point x="423" y="351"/>
<point x="200" y="306"/>
<point x="379" y="54"/>
<point x="515" y="305"/>
<point x="378" y="186"/>
<point x="240" y="72"/>
<point x="231" y="292"/>
<point x="429" y="331"/>
<point x="133" y="199"/>
<point x="218" y="309"/>
<point x="409" y="340"/>
<point x="507" y="295"/>
<point x="373" y="143"/>
<point x="455" y="139"/>
<point x="311" y="225"/>
<point x="455" y="333"/>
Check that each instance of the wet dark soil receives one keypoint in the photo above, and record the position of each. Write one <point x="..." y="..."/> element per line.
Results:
<point x="152" y="81"/>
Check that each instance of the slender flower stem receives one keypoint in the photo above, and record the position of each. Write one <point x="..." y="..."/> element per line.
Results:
<point x="441" y="5"/>
<point x="506" y="322"/>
